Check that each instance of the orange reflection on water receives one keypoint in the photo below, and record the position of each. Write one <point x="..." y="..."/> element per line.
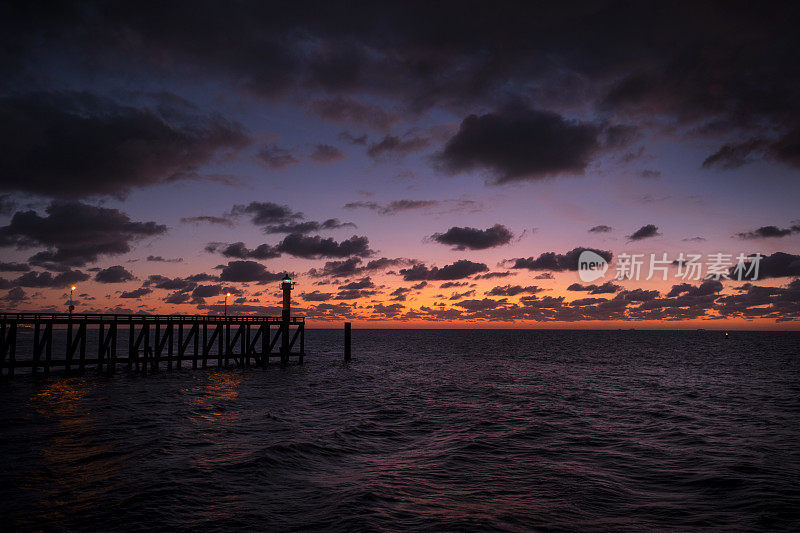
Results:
<point x="215" y="416"/>
<point x="77" y="464"/>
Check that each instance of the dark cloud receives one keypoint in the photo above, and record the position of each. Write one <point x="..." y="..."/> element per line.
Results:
<point x="734" y="155"/>
<point x="316" y="246"/>
<point x="345" y="268"/>
<point x="69" y="145"/>
<point x="246" y="271"/>
<point x="602" y="228"/>
<point x="46" y="279"/>
<point x="514" y="290"/>
<point x="705" y="288"/>
<point x="7" y="204"/>
<point x="350" y="111"/>
<point x="13" y="267"/>
<point x="480" y="305"/>
<point x="114" y="274"/>
<point x="356" y="289"/>
<point x="778" y="303"/>
<point x="777" y="265"/>
<point x="391" y="145"/>
<point x="785" y="149"/>
<point x="136" y="293"/>
<point x="308" y="226"/>
<point x="240" y="251"/>
<point x="474" y="239"/>
<point x="458" y="270"/>
<point x="173" y="284"/>
<point x="492" y="275"/>
<point x="353" y="265"/>
<point x="222" y="221"/>
<point x="399" y="294"/>
<point x="554" y="261"/>
<point x="316" y="296"/>
<point x="275" y="218"/>
<point x="159" y="259"/>
<point x="644" y="232"/>
<point x="201" y="292"/>
<point x="637" y="295"/>
<point x="325" y="153"/>
<point x="15" y="295"/>
<point x="276" y="158"/>
<point x="766" y="232"/>
<point x="387" y="311"/>
<point x="605" y="288"/>
<point x="267" y="213"/>
<point x="461" y="295"/>
<point x="75" y="233"/>
<point x="354" y="294"/>
<point x="516" y="144"/>
<point x="364" y="283"/>
<point x="451" y="284"/>
<point x="178" y="298"/>
<point x="668" y="65"/>
<point x="397" y="206"/>
<point x="393" y="207"/>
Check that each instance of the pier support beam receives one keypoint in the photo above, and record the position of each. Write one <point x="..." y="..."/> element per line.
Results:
<point x="347" y="341"/>
<point x="61" y="341"/>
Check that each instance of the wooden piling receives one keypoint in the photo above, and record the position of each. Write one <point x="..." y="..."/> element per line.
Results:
<point x="347" y="341"/>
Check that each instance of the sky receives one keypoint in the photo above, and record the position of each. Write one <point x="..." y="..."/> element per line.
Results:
<point x="409" y="164"/>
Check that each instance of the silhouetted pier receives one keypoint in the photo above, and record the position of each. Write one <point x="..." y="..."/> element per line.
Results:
<point x="145" y="343"/>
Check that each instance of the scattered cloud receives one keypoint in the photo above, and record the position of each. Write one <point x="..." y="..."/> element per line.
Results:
<point x="114" y="274"/>
<point x="602" y="228"/>
<point x="474" y="239"/>
<point x="644" y="232"/>
<point x="247" y="271"/>
<point x="325" y="153"/>
<point x="221" y="221"/>
<point x="766" y="232"/>
<point x="46" y="279"/>
<point x="75" y="233"/>
<point x="276" y="158"/>
<point x="459" y="270"/>
<point x="392" y="146"/>
<point x="316" y="247"/>
<point x="346" y="110"/>
<point x="555" y="262"/>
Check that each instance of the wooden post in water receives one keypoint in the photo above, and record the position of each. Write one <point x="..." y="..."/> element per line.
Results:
<point x="347" y="341"/>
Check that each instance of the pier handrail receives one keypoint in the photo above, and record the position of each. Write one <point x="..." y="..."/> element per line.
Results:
<point x="24" y="317"/>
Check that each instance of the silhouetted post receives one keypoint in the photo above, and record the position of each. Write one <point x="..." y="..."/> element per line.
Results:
<point x="286" y="316"/>
<point x="347" y="341"/>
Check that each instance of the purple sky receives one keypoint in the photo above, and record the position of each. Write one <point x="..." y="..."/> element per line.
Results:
<point x="422" y="134"/>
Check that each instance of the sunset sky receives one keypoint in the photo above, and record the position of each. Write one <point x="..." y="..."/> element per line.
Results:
<point x="415" y="165"/>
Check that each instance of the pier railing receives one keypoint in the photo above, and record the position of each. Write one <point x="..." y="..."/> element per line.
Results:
<point x="41" y="341"/>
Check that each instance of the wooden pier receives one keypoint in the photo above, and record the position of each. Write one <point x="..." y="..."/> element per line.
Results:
<point x="145" y="343"/>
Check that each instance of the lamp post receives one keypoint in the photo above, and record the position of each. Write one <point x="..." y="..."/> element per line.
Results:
<point x="286" y="314"/>
<point x="226" y="303"/>
<point x="71" y="307"/>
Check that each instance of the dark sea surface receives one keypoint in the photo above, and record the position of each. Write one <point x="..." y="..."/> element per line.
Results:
<point x="423" y="430"/>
